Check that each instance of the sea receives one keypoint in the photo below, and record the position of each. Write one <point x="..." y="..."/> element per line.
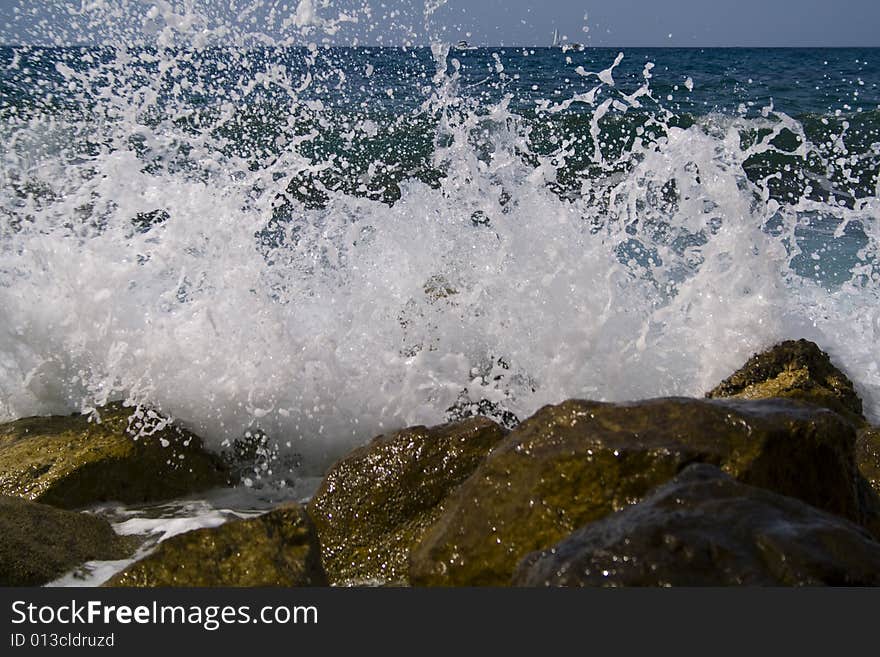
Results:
<point x="316" y="244"/>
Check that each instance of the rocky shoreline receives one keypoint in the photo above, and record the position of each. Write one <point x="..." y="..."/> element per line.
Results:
<point x="772" y="479"/>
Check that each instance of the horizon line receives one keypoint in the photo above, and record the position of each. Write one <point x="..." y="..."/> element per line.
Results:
<point x="475" y="46"/>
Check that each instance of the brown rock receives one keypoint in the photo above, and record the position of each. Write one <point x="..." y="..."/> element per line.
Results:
<point x="795" y="369"/>
<point x="377" y="501"/>
<point x="577" y="462"/>
<point x="279" y="548"/>
<point x="706" y="529"/>
<point x="868" y="456"/>
<point x="39" y="543"/>
<point x="72" y="462"/>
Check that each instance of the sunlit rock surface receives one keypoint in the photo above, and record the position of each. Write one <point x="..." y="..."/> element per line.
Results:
<point x="374" y="504"/>
<point x="279" y="548"/>
<point x="794" y="369"/>
<point x="73" y="461"/>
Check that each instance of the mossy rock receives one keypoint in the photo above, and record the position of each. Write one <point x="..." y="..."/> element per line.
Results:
<point x="706" y="529"/>
<point x="868" y="456"/>
<point x="376" y="502"/>
<point x="39" y="543"/>
<point x="795" y="369"/>
<point x="74" y="461"/>
<point x="279" y="548"/>
<point x="576" y="462"/>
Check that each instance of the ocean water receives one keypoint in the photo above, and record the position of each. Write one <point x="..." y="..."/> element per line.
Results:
<point x="318" y="244"/>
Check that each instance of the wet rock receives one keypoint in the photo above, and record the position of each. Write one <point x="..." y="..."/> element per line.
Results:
<point x="279" y="548"/>
<point x="143" y="222"/>
<point x="706" y="529"/>
<point x="438" y="287"/>
<point x="795" y="369"/>
<point x="376" y="502"/>
<point x="465" y="407"/>
<point x="72" y="462"/>
<point x="868" y="456"/>
<point x="39" y="543"/>
<point x="579" y="461"/>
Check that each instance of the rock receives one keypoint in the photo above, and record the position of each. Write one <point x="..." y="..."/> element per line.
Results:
<point x="465" y="407"/>
<point x="143" y="222"/>
<point x="795" y="369"/>
<point x="438" y="287"/>
<point x="279" y="548"/>
<point x="376" y="502"/>
<point x="39" y="543"/>
<point x="706" y="529"/>
<point x="575" y="463"/>
<point x="868" y="456"/>
<point x="71" y="462"/>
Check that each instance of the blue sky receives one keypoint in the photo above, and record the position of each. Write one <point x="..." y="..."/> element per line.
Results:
<point x="689" y="22"/>
<point x="624" y="23"/>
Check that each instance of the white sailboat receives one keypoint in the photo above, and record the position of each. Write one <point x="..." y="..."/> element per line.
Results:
<point x="566" y="47"/>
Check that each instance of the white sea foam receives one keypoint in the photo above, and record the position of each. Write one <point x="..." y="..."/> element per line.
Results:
<point x="365" y="317"/>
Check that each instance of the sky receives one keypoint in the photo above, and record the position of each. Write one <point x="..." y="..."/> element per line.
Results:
<point x="617" y="23"/>
<point x="683" y="23"/>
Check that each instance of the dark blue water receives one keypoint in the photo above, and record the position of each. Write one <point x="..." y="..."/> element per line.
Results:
<point x="799" y="81"/>
<point x="834" y="94"/>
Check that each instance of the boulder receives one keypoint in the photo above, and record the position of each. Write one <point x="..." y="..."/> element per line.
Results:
<point x="706" y="529"/>
<point x="279" y="548"/>
<point x="376" y="502"/>
<point x="795" y="369"/>
<point x="868" y="456"/>
<point x="76" y="461"/>
<point x="579" y="461"/>
<point x="39" y="543"/>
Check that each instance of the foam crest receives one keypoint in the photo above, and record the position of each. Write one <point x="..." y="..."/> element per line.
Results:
<point x="174" y="235"/>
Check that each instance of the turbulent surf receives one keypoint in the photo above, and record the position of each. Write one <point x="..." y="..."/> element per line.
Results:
<point x="301" y="220"/>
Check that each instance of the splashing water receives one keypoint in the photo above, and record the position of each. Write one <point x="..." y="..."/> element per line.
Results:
<point x="249" y="229"/>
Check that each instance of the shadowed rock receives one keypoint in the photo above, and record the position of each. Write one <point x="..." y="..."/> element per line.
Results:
<point x="706" y="529"/>
<point x="279" y="548"/>
<point x="579" y="461"/>
<point x="795" y="369"/>
<point x="868" y="456"/>
<point x="72" y="462"/>
<point x="39" y="543"/>
<point x="376" y="502"/>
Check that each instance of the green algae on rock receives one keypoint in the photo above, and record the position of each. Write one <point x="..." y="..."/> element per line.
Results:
<point x="72" y="461"/>
<point x="794" y="369"/>
<point x="377" y="501"/>
<point x="39" y="543"/>
<point x="706" y="529"/>
<point x="576" y="462"/>
<point x="279" y="548"/>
